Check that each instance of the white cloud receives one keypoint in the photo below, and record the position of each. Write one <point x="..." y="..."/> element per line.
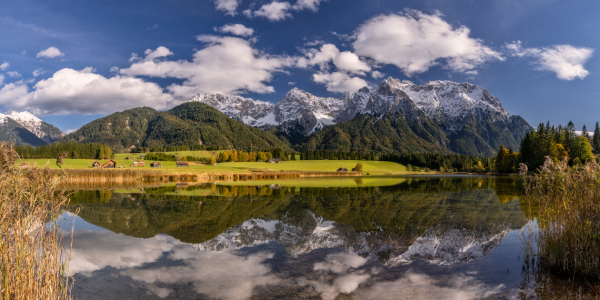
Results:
<point x="69" y="131"/>
<point x="565" y="61"/>
<point x="155" y="26"/>
<point x="377" y="75"/>
<point x="84" y="92"/>
<point x="38" y="72"/>
<point x="237" y="29"/>
<point x="274" y="11"/>
<point x="414" y="41"/>
<point x="1" y="79"/>
<point x="13" y="74"/>
<point x="4" y="66"/>
<point x="346" y="61"/>
<point x="339" y="82"/>
<point x="227" y="65"/>
<point x="229" y="6"/>
<point x="307" y="4"/>
<point x="114" y="69"/>
<point x="289" y="83"/>
<point x="51" y="52"/>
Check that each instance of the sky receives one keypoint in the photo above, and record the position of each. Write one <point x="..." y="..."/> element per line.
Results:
<point x="72" y="61"/>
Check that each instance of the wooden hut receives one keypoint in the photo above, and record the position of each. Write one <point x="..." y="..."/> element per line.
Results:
<point x="96" y="165"/>
<point x="155" y="165"/>
<point x="137" y="164"/>
<point x="24" y="165"/>
<point x="128" y="158"/>
<point x="182" y="164"/>
<point x="275" y="160"/>
<point x="109" y="164"/>
<point x="342" y="170"/>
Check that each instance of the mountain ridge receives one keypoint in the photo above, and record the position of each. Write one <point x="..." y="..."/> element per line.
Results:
<point x="24" y="128"/>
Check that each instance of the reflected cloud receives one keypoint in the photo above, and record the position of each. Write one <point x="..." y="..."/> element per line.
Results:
<point x="421" y="286"/>
<point x="222" y="275"/>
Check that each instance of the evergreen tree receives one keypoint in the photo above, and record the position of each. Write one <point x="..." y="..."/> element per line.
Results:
<point x="585" y="133"/>
<point x="293" y="158"/>
<point x="596" y="138"/>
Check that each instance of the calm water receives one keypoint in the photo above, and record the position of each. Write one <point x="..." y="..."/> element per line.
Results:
<point x="383" y="238"/>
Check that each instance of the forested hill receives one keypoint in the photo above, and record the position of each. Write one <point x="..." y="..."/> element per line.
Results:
<point x="187" y="124"/>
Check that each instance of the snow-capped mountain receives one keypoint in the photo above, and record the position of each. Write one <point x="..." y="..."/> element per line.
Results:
<point x="436" y="246"/>
<point x="35" y="125"/>
<point x="446" y="102"/>
<point x="24" y="128"/>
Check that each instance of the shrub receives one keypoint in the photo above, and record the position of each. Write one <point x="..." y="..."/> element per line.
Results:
<point x="359" y="167"/>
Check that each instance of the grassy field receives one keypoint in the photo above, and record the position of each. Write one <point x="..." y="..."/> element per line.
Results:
<point x="369" y="167"/>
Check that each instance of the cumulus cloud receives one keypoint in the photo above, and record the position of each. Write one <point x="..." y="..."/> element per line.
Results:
<point x="4" y="66"/>
<point x="277" y="11"/>
<point x="377" y="75"/>
<point x="237" y="29"/>
<point x="69" y="131"/>
<point x="414" y="41"/>
<point x="38" y="72"/>
<point x="84" y="92"/>
<point x="1" y="79"/>
<point x="307" y="4"/>
<point x="13" y="74"/>
<point x="227" y="65"/>
<point x="345" y="61"/>
<point x="229" y="6"/>
<point x="339" y="82"/>
<point x="566" y="61"/>
<point x="51" y="52"/>
<point x="274" y="11"/>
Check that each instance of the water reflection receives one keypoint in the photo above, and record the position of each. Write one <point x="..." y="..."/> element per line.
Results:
<point x="421" y="238"/>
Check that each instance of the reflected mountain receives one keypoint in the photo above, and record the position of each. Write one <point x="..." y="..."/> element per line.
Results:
<point x="441" y="220"/>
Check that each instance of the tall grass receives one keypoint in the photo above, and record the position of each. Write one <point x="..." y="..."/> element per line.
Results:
<point x="569" y="216"/>
<point x="33" y="261"/>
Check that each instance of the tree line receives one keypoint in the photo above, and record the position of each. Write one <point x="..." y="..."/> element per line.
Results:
<point x="335" y="155"/>
<point x="440" y="161"/>
<point x="75" y="150"/>
<point x="556" y="142"/>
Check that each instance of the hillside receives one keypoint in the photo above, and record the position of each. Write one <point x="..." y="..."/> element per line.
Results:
<point x="187" y="124"/>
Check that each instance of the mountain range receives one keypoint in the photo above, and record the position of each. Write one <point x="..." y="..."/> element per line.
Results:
<point x="441" y="116"/>
<point x="24" y="128"/>
<point x="397" y="116"/>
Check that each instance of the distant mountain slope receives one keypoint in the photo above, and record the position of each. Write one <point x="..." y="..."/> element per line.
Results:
<point x="47" y="132"/>
<point x="459" y="117"/>
<point x="191" y="123"/>
<point x="13" y="132"/>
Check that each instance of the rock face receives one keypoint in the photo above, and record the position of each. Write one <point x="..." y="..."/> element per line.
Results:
<point x="466" y="113"/>
<point x="47" y="132"/>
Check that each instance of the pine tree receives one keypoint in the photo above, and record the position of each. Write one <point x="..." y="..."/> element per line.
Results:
<point x="596" y="138"/>
<point x="585" y="133"/>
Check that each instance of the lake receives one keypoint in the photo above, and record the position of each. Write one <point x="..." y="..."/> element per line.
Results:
<point x="419" y="237"/>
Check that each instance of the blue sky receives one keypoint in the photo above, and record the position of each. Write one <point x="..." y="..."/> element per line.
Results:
<point x="73" y="61"/>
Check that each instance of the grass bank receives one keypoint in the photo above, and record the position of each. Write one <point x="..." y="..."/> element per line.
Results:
<point x="569" y="216"/>
<point x="32" y="258"/>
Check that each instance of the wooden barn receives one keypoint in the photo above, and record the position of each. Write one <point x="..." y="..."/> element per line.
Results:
<point x="109" y="164"/>
<point x="182" y="164"/>
<point x="155" y="165"/>
<point x="96" y="165"/>
<point x="137" y="164"/>
<point x="24" y="165"/>
<point x="342" y="170"/>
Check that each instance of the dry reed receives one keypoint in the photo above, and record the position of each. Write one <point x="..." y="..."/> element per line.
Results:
<point x="569" y="216"/>
<point x="33" y="261"/>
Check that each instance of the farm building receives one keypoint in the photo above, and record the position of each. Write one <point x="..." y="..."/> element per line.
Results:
<point x="96" y="165"/>
<point x="155" y="165"/>
<point x="137" y="164"/>
<point x="182" y="185"/>
<point x="342" y="170"/>
<point x="128" y="158"/>
<point x="182" y="164"/>
<point x="24" y="165"/>
<point x="109" y="164"/>
<point x="275" y="160"/>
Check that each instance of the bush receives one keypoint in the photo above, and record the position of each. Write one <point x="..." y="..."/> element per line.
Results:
<point x="359" y="167"/>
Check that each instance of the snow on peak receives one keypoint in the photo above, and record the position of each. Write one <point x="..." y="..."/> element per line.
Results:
<point x="444" y="101"/>
<point x="3" y="118"/>
<point x="25" y="117"/>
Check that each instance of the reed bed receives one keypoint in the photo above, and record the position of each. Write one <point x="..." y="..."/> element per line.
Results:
<point x="117" y="175"/>
<point x="569" y="216"/>
<point x="33" y="262"/>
